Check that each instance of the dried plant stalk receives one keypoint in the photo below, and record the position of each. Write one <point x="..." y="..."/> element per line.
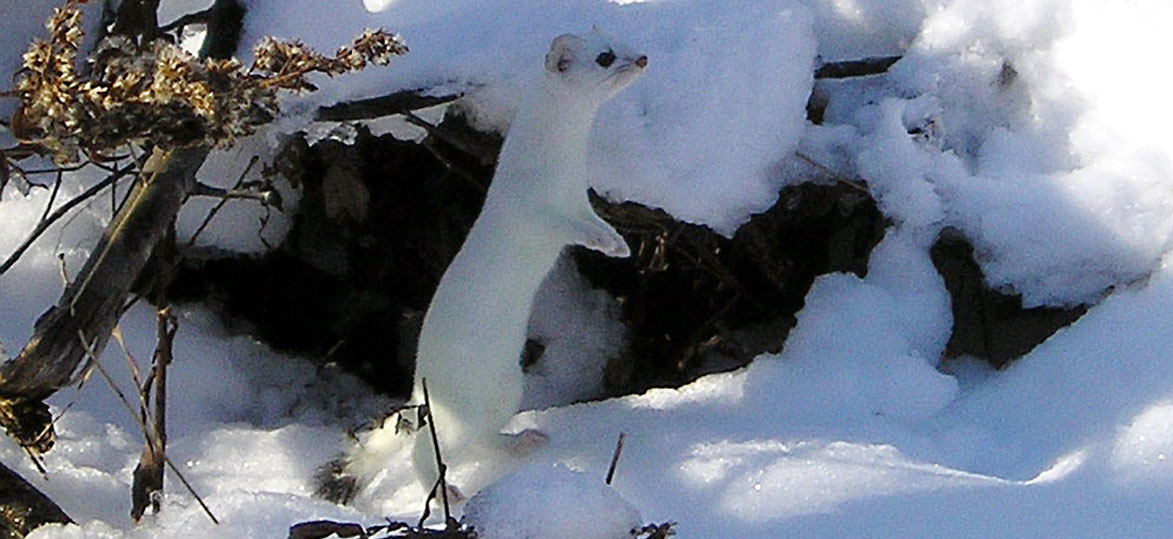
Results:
<point x="158" y="93"/>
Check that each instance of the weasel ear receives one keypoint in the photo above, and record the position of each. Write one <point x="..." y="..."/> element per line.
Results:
<point x="561" y="53"/>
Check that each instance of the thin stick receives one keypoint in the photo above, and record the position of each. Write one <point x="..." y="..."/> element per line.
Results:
<point x="36" y="460"/>
<point x="63" y="271"/>
<point x="53" y="196"/>
<point x="485" y="155"/>
<point x="110" y="380"/>
<point x="54" y="170"/>
<point x="223" y="201"/>
<point x="143" y="391"/>
<point x="167" y="327"/>
<point x="190" y="489"/>
<point x="89" y="350"/>
<point x="148" y="475"/>
<point x="441" y="482"/>
<point x="46" y="223"/>
<point x="854" y="184"/>
<point x="615" y="458"/>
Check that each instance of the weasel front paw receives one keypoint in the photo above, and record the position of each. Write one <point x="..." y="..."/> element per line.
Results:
<point x="618" y="248"/>
<point x="601" y="237"/>
<point x="624" y="251"/>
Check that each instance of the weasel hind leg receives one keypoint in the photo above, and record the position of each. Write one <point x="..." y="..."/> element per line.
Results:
<point x="496" y="450"/>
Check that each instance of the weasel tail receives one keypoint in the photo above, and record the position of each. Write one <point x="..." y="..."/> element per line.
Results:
<point x="473" y="333"/>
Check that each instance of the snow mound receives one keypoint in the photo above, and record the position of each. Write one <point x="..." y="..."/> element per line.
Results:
<point x="1029" y="135"/>
<point x="539" y="502"/>
<point x="858" y="351"/>
<point x="722" y="75"/>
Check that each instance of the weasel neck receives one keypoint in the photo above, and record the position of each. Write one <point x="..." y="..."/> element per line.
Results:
<point x="547" y="142"/>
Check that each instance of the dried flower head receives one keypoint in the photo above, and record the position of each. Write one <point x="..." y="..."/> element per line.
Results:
<point x="161" y="94"/>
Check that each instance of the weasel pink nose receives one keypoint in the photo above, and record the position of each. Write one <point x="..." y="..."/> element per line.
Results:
<point x="642" y="62"/>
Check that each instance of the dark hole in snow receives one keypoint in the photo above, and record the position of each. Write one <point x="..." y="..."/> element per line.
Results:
<point x="697" y="302"/>
<point x="380" y="219"/>
<point x="378" y="222"/>
<point x="987" y="323"/>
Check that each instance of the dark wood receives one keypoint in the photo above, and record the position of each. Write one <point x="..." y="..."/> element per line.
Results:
<point x="148" y="474"/>
<point x="386" y="105"/>
<point x="23" y="508"/>
<point x="137" y="18"/>
<point x="856" y="68"/>
<point x="90" y="306"/>
<point x="989" y="323"/>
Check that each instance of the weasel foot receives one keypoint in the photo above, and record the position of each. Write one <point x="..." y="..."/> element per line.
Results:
<point x="454" y="494"/>
<point x="526" y="441"/>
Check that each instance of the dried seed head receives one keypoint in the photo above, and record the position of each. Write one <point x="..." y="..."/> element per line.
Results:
<point x="160" y="93"/>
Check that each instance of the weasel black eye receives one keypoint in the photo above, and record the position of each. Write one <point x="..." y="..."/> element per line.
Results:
<point x="606" y="59"/>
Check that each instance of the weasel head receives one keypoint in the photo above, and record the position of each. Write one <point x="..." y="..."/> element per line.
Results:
<point x="592" y="65"/>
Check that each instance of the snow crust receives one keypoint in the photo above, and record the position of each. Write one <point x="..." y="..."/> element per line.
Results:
<point x="1038" y="129"/>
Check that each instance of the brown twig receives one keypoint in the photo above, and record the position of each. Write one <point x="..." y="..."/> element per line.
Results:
<point x="89" y="351"/>
<point x="148" y="475"/>
<point x="399" y="102"/>
<point x="857" y="184"/>
<point x="615" y="458"/>
<point x="441" y="482"/>
<point x="223" y="200"/>
<point x="53" y="217"/>
<point x="481" y="152"/>
<point x="53" y="195"/>
<point x="430" y="145"/>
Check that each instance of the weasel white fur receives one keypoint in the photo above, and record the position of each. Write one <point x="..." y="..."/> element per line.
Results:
<point x="475" y="328"/>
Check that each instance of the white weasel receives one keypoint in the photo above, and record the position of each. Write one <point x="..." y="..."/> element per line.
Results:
<point x="475" y="328"/>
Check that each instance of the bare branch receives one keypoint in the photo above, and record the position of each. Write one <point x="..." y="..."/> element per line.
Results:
<point x="441" y="482"/>
<point x="400" y="102"/>
<point x="90" y="350"/>
<point x="25" y="507"/>
<point x="52" y="218"/>
<point x="224" y="200"/>
<point x="483" y="153"/>
<point x="147" y="487"/>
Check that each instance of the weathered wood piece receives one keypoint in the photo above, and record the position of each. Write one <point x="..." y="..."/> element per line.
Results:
<point x="385" y="105"/>
<point x="92" y="303"/>
<point x="855" y="68"/>
<point x="23" y="508"/>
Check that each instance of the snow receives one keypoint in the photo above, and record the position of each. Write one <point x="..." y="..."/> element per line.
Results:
<point x="871" y="349"/>
<point x="572" y="364"/>
<point x="1060" y="207"/>
<point x="1039" y="132"/>
<point x="550" y="502"/>
<point x="657" y="141"/>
